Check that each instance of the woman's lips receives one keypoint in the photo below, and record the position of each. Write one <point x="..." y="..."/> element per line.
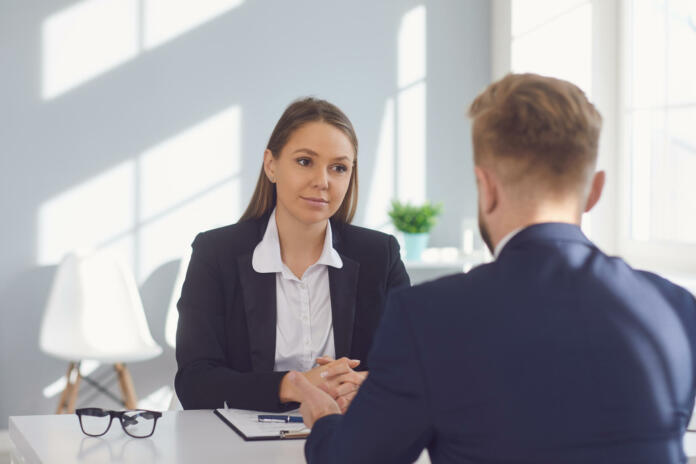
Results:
<point x="319" y="202"/>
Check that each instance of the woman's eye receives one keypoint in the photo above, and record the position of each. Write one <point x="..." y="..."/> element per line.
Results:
<point x="340" y="168"/>
<point x="303" y="161"/>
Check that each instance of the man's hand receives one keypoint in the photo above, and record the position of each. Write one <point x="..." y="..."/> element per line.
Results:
<point x="315" y="402"/>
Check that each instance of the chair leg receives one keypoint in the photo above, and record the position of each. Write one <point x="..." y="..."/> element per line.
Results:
<point x="72" y="398"/>
<point x="67" y="400"/>
<point x="126" y="383"/>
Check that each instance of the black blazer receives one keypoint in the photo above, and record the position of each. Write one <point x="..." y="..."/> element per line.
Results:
<point x="225" y="340"/>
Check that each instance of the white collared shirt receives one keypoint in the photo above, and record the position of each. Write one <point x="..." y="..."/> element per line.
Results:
<point x="504" y="241"/>
<point x="304" y="327"/>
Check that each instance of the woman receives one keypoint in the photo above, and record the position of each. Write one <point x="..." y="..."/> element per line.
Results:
<point x="292" y="284"/>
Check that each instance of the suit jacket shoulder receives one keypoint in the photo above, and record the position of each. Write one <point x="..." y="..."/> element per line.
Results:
<point x="234" y="239"/>
<point x="440" y="296"/>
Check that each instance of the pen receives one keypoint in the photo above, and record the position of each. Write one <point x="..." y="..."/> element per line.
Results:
<point x="279" y="418"/>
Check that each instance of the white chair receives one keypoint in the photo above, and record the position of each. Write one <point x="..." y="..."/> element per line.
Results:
<point x="173" y="318"/>
<point x="172" y="311"/>
<point x="94" y="312"/>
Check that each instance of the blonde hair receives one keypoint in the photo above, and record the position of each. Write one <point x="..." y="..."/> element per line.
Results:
<point x="546" y="126"/>
<point x="297" y="114"/>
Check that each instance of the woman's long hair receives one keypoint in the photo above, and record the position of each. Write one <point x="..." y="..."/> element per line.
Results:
<point x="301" y="112"/>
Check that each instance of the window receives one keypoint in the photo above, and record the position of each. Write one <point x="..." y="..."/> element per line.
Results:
<point x="551" y="38"/>
<point x="634" y="59"/>
<point x="659" y="115"/>
<point x="658" y="134"/>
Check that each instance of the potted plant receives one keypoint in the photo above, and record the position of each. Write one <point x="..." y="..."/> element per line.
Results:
<point x="415" y="222"/>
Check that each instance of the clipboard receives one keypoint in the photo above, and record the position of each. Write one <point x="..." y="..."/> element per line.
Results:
<point x="247" y="426"/>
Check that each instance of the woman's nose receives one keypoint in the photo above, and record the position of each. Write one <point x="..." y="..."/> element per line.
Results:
<point x="321" y="179"/>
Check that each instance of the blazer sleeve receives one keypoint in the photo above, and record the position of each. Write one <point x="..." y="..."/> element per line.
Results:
<point x="389" y="420"/>
<point x="204" y="379"/>
<point x="397" y="277"/>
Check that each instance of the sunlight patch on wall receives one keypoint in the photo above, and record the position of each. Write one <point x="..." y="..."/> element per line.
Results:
<point x="170" y="236"/>
<point x="190" y="162"/>
<point x="188" y="184"/>
<point x="411" y="54"/>
<point x="87" y="215"/>
<point x="410" y="104"/>
<point x="411" y="143"/>
<point x="148" y="210"/>
<point x="86" y="40"/>
<point x="166" y="19"/>
<point x="382" y="185"/>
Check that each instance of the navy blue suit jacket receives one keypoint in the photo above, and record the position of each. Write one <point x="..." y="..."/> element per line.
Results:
<point x="554" y="353"/>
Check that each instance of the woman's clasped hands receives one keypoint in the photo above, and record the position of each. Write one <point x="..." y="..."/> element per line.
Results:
<point x="335" y="377"/>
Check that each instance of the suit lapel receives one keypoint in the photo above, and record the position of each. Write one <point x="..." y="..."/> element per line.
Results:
<point x="259" y="291"/>
<point x="343" y="284"/>
<point x="343" y="287"/>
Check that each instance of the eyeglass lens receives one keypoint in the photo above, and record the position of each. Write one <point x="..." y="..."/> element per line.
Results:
<point x="94" y="421"/>
<point x="138" y="423"/>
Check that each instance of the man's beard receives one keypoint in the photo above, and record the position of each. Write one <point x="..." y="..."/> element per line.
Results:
<point x="483" y="229"/>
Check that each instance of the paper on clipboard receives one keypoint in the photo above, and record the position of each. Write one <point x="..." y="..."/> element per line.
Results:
<point x="246" y="424"/>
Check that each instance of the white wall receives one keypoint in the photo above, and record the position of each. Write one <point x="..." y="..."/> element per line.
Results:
<point x="102" y="102"/>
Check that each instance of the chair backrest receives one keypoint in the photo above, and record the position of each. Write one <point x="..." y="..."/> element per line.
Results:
<point x="94" y="311"/>
<point x="172" y="312"/>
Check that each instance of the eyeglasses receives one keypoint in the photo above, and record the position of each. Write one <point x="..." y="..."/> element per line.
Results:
<point x="138" y="423"/>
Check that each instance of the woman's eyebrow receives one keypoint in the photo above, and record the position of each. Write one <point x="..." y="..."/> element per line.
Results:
<point x="306" y="150"/>
<point x="314" y="153"/>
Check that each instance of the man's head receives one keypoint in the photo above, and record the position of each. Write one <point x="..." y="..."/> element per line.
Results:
<point x="535" y="153"/>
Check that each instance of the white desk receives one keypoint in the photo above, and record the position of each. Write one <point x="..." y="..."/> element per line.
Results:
<point x="180" y="437"/>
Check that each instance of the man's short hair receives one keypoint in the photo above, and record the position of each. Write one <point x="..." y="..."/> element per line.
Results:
<point x="538" y="128"/>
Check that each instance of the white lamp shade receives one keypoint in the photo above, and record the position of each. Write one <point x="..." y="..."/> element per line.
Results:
<point x="94" y="312"/>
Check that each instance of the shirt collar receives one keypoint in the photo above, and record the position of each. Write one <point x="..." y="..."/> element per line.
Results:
<point x="267" y="258"/>
<point x="329" y="255"/>
<point x="504" y="241"/>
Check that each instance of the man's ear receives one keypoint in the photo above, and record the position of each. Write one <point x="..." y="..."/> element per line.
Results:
<point x="595" y="190"/>
<point x="269" y="165"/>
<point x="487" y="190"/>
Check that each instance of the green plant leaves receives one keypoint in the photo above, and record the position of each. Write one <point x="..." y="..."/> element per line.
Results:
<point x="414" y="219"/>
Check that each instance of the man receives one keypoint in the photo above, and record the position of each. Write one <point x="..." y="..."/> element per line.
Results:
<point x="554" y="352"/>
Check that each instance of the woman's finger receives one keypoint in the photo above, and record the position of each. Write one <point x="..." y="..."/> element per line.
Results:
<point x="353" y="377"/>
<point x="324" y="360"/>
<point x="345" y="389"/>
<point x="336" y="368"/>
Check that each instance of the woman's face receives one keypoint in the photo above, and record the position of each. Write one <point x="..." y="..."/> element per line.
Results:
<point x="312" y="173"/>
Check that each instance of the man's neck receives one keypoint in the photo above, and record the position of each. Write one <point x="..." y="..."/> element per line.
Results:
<point x="513" y="222"/>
